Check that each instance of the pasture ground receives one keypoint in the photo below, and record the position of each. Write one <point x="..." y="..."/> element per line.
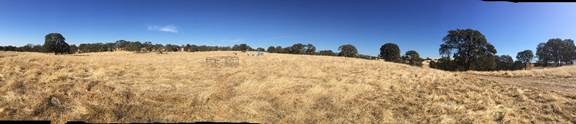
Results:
<point x="274" y="88"/>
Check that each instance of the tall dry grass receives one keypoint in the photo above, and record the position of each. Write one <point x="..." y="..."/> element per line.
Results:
<point x="275" y="88"/>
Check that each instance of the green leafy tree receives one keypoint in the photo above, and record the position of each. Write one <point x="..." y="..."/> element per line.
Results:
<point x="557" y="51"/>
<point x="240" y="47"/>
<point x="525" y="57"/>
<point x="348" y="50"/>
<point x="271" y="49"/>
<point x="279" y="49"/>
<point x="326" y="53"/>
<point x="544" y="54"/>
<point x="297" y="48"/>
<point x="390" y="52"/>
<point x="172" y="47"/>
<point x="55" y="42"/>
<point x="309" y="49"/>
<point x="260" y="49"/>
<point x="470" y="50"/>
<point x="413" y="58"/>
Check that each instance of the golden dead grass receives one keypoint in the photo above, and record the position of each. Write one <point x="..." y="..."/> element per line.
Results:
<point x="274" y="88"/>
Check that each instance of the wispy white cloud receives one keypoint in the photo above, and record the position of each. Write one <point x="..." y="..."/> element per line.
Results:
<point x="165" y="28"/>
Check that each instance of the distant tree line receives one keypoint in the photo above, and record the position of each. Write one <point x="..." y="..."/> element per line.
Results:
<point x="391" y="52"/>
<point x="345" y="50"/>
<point x="297" y="48"/>
<point x="468" y="49"/>
<point x="137" y="46"/>
<point x="55" y="43"/>
<point x="461" y="50"/>
<point x="25" y="48"/>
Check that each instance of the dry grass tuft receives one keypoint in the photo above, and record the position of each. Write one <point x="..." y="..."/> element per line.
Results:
<point x="274" y="88"/>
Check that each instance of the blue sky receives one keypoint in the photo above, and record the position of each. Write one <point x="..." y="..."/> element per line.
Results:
<point x="413" y="24"/>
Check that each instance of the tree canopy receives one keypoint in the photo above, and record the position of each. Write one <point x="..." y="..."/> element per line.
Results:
<point x="525" y="57"/>
<point x="557" y="51"/>
<point x="469" y="48"/>
<point x="390" y="52"/>
<point x="55" y="42"/>
<point x="242" y="47"/>
<point x="348" y="50"/>
<point x="412" y="58"/>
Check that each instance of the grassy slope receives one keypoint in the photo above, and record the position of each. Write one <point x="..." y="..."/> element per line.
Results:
<point x="275" y="88"/>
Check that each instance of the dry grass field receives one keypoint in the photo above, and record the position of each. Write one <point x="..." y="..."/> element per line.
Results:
<point x="274" y="88"/>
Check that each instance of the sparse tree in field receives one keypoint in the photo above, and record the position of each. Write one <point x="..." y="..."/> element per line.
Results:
<point x="525" y="57"/>
<point x="390" y="52"/>
<point x="326" y="53"/>
<point x="207" y="48"/>
<point x="55" y="42"/>
<point x="152" y="47"/>
<point x="171" y="48"/>
<point x="187" y="47"/>
<point x="550" y="51"/>
<point x="544" y="54"/>
<point x="193" y="48"/>
<point x="240" y="47"/>
<point x="279" y="49"/>
<point x="297" y="48"/>
<point x="557" y="51"/>
<point x="271" y="49"/>
<point x="135" y="46"/>
<point x="413" y="58"/>
<point x="348" y="50"/>
<point x="121" y="44"/>
<point x="470" y="49"/>
<point x="260" y="49"/>
<point x="309" y="49"/>
<point x="246" y="47"/>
